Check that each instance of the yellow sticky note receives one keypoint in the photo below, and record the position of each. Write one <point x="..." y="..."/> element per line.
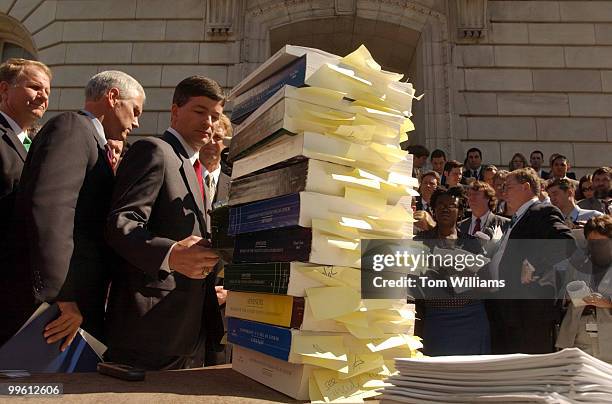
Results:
<point x="316" y="94"/>
<point x="336" y="229"/>
<point x="313" y="391"/>
<point x="330" y="302"/>
<point x="371" y="199"/>
<point x="350" y="179"/>
<point x="320" y="346"/>
<point x="358" y="318"/>
<point x="334" y="276"/>
<point x="359" y="363"/>
<point x="371" y="331"/>
<point x="333" y="388"/>
<point x="337" y="366"/>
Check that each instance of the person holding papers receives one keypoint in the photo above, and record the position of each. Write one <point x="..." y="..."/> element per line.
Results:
<point x="451" y="324"/>
<point x="588" y="322"/>
<point x="62" y="203"/>
<point x="162" y="304"/>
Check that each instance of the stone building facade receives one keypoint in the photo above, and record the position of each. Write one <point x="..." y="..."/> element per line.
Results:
<point x="506" y="76"/>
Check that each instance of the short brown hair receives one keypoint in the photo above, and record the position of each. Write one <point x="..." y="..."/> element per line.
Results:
<point x="449" y="165"/>
<point x="12" y="69"/>
<point x="527" y="175"/>
<point x="599" y="224"/>
<point x="488" y="190"/>
<point x="430" y="174"/>
<point x="603" y="171"/>
<point x="563" y="184"/>
<point x="197" y="86"/>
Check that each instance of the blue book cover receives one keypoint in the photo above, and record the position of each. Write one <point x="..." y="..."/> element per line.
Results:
<point x="282" y="211"/>
<point x="265" y="338"/>
<point x="293" y="74"/>
<point x="279" y="245"/>
<point x="28" y="350"/>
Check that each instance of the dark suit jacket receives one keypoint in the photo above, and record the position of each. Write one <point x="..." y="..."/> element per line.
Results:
<point x="467" y="173"/>
<point x="12" y="157"/>
<point x="15" y="307"/>
<point x="61" y="208"/>
<point x="488" y="226"/>
<point x="528" y="319"/>
<point x="157" y="320"/>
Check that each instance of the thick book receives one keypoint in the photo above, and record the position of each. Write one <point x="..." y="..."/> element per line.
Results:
<point x="28" y="350"/>
<point x="293" y="210"/>
<point x="307" y="175"/>
<point x="289" y="65"/>
<point x="283" y="278"/>
<point x="280" y="310"/>
<point x="288" y="149"/>
<point x="293" y="244"/>
<point x="290" y="111"/>
<point x="288" y="378"/>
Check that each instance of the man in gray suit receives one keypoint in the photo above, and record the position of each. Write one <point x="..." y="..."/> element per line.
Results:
<point x="561" y="193"/>
<point x="162" y="305"/>
<point x="24" y="98"/>
<point x="63" y="201"/>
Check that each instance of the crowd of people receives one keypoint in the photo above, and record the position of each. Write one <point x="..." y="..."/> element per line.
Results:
<point x="547" y="230"/>
<point x="119" y="237"/>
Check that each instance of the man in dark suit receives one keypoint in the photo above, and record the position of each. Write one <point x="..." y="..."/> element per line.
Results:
<point x="63" y="201"/>
<point x="525" y="261"/>
<point x="162" y="306"/>
<point x="481" y="200"/>
<point x="536" y="158"/>
<point x="473" y="159"/>
<point x="24" y="98"/>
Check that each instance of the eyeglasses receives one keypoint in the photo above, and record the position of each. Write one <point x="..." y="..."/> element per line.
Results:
<point x="584" y="189"/>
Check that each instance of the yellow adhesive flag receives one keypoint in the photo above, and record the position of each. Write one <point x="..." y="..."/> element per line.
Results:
<point x="371" y="199"/>
<point x="318" y="95"/>
<point x="355" y="133"/>
<point x="371" y="331"/>
<point x="331" y="302"/>
<point x="332" y="227"/>
<point x="338" y="366"/>
<point x="361" y="363"/>
<point x="351" y="179"/>
<point x="333" y="388"/>
<point x="358" y="318"/>
<point x="320" y="346"/>
<point x="313" y="391"/>
<point x="334" y="276"/>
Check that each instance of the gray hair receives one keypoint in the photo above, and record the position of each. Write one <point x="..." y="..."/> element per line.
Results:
<point x="100" y="83"/>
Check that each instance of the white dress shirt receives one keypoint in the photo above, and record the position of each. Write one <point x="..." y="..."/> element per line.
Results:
<point x="483" y="220"/>
<point x="21" y="134"/>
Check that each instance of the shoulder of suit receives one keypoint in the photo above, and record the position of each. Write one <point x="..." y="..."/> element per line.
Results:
<point x="499" y="218"/>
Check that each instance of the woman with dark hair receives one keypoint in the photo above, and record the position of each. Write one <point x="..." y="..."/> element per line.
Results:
<point x="451" y="324"/>
<point x="517" y="161"/>
<point x="585" y="188"/>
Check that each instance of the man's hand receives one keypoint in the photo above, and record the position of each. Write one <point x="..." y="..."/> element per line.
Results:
<point x="527" y="272"/>
<point x="221" y="295"/>
<point x="65" y="326"/>
<point x="192" y="258"/>
<point x="423" y="220"/>
<point x="598" y="300"/>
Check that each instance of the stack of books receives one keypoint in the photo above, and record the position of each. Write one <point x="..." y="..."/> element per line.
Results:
<point x="317" y="167"/>
<point x="568" y="376"/>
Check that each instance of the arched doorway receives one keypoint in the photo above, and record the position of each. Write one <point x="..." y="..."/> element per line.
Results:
<point x="15" y="41"/>
<point x="403" y="36"/>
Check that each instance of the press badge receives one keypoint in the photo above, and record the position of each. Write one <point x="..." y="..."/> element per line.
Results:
<point x="591" y="329"/>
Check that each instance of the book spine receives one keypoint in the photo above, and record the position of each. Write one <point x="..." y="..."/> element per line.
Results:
<point x="294" y="75"/>
<point x="283" y="211"/>
<point x="265" y="308"/>
<point x="264" y="278"/>
<point x="270" y="184"/>
<point x="267" y="127"/>
<point x="264" y="338"/>
<point x="284" y="245"/>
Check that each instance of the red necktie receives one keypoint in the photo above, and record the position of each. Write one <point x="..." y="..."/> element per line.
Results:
<point x="476" y="226"/>
<point x="197" y="166"/>
<point x="110" y="157"/>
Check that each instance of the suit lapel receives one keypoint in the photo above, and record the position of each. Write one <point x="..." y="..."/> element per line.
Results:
<point x="101" y="146"/>
<point x="10" y="137"/>
<point x="189" y="177"/>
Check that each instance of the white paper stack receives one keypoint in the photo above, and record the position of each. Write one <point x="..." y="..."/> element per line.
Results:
<point x="568" y="376"/>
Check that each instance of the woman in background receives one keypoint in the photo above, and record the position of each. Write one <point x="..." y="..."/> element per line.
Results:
<point x="517" y="161"/>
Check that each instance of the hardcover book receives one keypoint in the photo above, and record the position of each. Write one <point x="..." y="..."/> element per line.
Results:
<point x="283" y="278"/>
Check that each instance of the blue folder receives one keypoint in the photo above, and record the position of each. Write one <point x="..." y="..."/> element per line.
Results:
<point x="28" y="350"/>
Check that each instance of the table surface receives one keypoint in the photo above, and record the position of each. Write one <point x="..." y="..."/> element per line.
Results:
<point x="215" y="384"/>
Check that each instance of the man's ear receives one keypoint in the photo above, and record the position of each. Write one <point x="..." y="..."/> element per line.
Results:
<point x="112" y="96"/>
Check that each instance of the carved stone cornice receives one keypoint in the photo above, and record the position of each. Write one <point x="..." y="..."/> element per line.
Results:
<point x="471" y="19"/>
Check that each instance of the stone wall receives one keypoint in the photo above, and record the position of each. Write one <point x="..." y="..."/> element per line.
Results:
<point x="541" y="78"/>
<point x="159" y="42"/>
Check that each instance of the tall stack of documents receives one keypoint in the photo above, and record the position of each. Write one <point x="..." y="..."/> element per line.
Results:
<point x="568" y="376"/>
<point x="316" y="168"/>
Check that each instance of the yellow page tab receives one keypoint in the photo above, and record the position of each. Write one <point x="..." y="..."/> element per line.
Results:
<point x="313" y="391"/>
<point x="330" y="302"/>
<point x="320" y="346"/>
<point x="350" y="179"/>
<point x="333" y="388"/>
<point x="367" y="198"/>
<point x="371" y="331"/>
<point x="331" y="227"/>
<point x="334" y="276"/>
<point x="361" y="363"/>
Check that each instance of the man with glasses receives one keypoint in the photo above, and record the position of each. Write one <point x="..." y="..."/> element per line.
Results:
<point x="602" y="192"/>
<point x="525" y="262"/>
